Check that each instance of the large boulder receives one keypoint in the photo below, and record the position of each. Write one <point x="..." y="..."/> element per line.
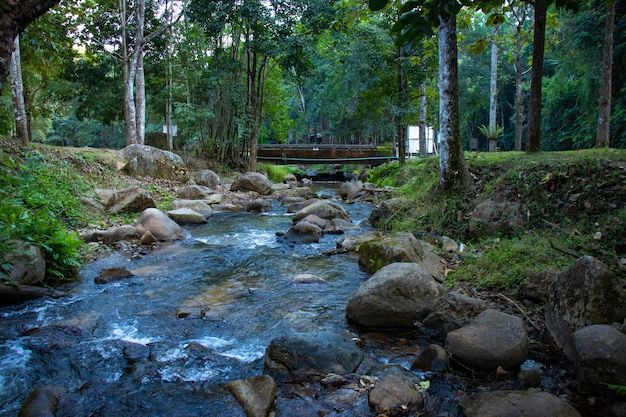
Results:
<point x="199" y="206"/>
<point x="42" y="402"/>
<point x="395" y="393"/>
<point x="388" y="209"/>
<point x="324" y="209"/>
<point x="160" y="226"/>
<point x="252" y="181"/>
<point x="303" y="355"/>
<point x="492" y="218"/>
<point x="398" y="295"/>
<point x="207" y="178"/>
<point x="148" y="161"/>
<point x="516" y="403"/>
<point x="194" y="192"/>
<point x="128" y="200"/>
<point x="585" y="294"/>
<point x="452" y="311"/>
<point x="399" y="247"/>
<point x="493" y="339"/>
<point x="349" y="190"/>
<point x="256" y="394"/>
<point x="599" y="357"/>
<point x="185" y="215"/>
<point x="28" y="266"/>
<point x="304" y="232"/>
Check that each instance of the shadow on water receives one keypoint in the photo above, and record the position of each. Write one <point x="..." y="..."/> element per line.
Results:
<point x="121" y="349"/>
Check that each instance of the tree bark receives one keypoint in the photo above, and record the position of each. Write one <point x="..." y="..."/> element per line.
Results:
<point x="422" y="122"/>
<point x="453" y="172"/>
<point x="603" y="135"/>
<point x="493" y="89"/>
<point x="17" y="92"/>
<point x="534" y="113"/>
<point x="15" y="15"/>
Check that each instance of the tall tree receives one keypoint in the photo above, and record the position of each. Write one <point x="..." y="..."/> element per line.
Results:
<point x="17" y="92"/>
<point x="604" y="113"/>
<point x="533" y="143"/>
<point x="417" y="19"/>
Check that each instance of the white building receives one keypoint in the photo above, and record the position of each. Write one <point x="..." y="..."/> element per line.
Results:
<point x="413" y="146"/>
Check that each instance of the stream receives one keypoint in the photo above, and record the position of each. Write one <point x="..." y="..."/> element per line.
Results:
<point x="120" y="349"/>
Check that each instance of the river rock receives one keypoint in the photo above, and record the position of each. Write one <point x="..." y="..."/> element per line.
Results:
<point x="492" y="339"/>
<point x="54" y="337"/>
<point x="303" y="355"/>
<point x="199" y="206"/>
<point x="186" y="215"/>
<point x="14" y="294"/>
<point x="449" y="245"/>
<point x="296" y="206"/>
<point x="492" y="218"/>
<point x="431" y="358"/>
<point x="252" y="181"/>
<point x="112" y="275"/>
<point x="395" y="393"/>
<point x="339" y="226"/>
<point x="307" y="279"/>
<point x="258" y="205"/>
<point x="160" y="226"/>
<point x="42" y="402"/>
<point x="304" y="232"/>
<point x="111" y="235"/>
<point x="291" y="180"/>
<point x="194" y="192"/>
<point x="516" y="403"/>
<point x="256" y="394"/>
<point x="207" y="178"/>
<point x="350" y="243"/>
<point x="324" y="209"/>
<point x="349" y="190"/>
<point x="214" y="199"/>
<point x="535" y="287"/>
<point x="384" y="211"/>
<point x="28" y="266"/>
<point x="317" y="220"/>
<point x="599" y="357"/>
<point x="585" y="294"/>
<point x="144" y="160"/>
<point x="399" y="247"/>
<point x="452" y="311"/>
<point x="128" y="200"/>
<point x="398" y="295"/>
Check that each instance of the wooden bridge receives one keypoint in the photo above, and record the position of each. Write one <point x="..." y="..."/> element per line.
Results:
<point x="311" y="154"/>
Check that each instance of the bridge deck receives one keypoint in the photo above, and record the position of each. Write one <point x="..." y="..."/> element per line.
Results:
<point x="282" y="154"/>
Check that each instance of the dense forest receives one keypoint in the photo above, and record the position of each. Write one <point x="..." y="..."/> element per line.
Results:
<point x="227" y="74"/>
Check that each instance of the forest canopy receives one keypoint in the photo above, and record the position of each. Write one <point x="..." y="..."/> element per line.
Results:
<point x="229" y="74"/>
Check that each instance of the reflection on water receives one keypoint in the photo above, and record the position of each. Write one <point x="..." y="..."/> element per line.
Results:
<point x="120" y="349"/>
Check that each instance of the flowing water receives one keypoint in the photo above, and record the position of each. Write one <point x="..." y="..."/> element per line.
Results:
<point x="121" y="350"/>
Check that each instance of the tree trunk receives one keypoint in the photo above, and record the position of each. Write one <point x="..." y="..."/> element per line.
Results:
<point x="128" y="70"/>
<point x="402" y="104"/>
<point x="603" y="135"/>
<point x="493" y="89"/>
<point x="453" y="172"/>
<point x="534" y="113"/>
<point x="140" y="100"/>
<point x="423" y="144"/>
<point x="520" y="13"/>
<point x="17" y="92"/>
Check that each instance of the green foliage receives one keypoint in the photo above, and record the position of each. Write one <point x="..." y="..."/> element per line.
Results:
<point x="37" y="204"/>
<point x="491" y="133"/>
<point x="574" y="202"/>
<point x="503" y="264"/>
<point x="619" y="389"/>
<point x="276" y="173"/>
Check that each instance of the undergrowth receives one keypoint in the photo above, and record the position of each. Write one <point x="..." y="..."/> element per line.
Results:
<point x="37" y="207"/>
<point x="575" y="203"/>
